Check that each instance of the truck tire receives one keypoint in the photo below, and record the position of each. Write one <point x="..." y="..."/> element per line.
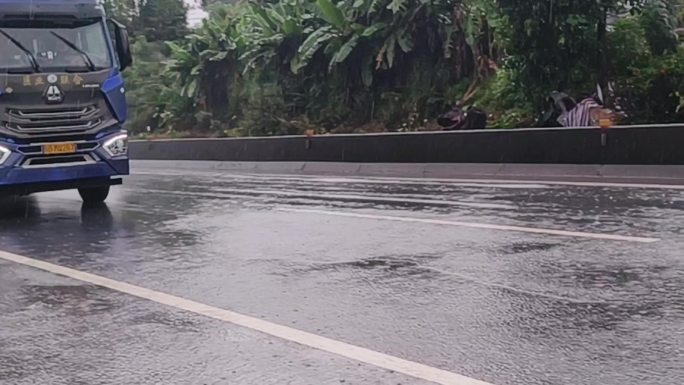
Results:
<point x="91" y="195"/>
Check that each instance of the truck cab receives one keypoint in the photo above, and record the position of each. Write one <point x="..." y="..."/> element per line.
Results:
<point x="62" y="98"/>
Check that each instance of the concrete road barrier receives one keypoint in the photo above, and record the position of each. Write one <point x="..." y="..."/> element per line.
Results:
<point x="633" y="145"/>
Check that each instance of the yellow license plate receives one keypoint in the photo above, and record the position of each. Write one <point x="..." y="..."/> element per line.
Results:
<point x="59" y="148"/>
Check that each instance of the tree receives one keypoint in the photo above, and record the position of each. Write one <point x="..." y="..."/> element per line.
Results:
<point x="206" y="3"/>
<point x="277" y="66"/>
<point x="340" y="62"/>
<point x="124" y="11"/>
<point x="659" y="19"/>
<point x="163" y="20"/>
<point x="560" y="44"/>
<point x="205" y="63"/>
<point x="146" y="85"/>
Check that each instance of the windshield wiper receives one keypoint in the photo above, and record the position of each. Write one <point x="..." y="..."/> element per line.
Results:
<point x="29" y="54"/>
<point x="86" y="58"/>
<point x="19" y="71"/>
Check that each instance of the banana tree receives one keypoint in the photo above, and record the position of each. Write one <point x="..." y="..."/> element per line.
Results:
<point x="275" y="33"/>
<point x="340" y="37"/>
<point x="206" y="63"/>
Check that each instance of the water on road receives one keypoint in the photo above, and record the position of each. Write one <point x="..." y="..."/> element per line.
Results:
<point x="392" y="282"/>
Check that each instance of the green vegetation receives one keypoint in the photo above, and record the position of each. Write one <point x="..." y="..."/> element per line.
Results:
<point x="285" y="66"/>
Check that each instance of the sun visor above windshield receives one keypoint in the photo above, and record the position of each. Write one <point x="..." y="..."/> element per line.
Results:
<point x="80" y="9"/>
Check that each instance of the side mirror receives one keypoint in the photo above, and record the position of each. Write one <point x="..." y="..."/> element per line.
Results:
<point x="123" y="46"/>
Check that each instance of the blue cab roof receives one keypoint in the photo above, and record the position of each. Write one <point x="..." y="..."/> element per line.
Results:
<point x="73" y="8"/>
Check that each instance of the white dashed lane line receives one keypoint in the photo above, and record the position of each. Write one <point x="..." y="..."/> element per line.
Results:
<point x="534" y="230"/>
<point x="357" y="353"/>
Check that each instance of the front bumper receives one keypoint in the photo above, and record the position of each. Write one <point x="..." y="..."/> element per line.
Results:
<point x="27" y="166"/>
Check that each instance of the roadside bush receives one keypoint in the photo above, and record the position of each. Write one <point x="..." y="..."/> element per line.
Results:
<point x="648" y="85"/>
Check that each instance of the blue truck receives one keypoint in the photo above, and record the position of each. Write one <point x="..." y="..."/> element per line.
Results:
<point x="62" y="98"/>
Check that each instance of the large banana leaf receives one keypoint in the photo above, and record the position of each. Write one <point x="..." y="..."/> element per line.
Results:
<point x="310" y="46"/>
<point x="344" y="51"/>
<point x="332" y="14"/>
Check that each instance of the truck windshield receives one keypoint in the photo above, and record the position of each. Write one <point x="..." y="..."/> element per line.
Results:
<point x="54" y="46"/>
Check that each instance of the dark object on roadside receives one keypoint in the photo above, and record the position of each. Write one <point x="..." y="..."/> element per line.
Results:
<point x="460" y="119"/>
<point x="558" y="105"/>
<point x="563" y="111"/>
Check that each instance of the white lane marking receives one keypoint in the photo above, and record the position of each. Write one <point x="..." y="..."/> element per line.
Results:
<point x="472" y="182"/>
<point x="576" y="234"/>
<point x="356" y="353"/>
<point x="366" y="198"/>
<point x="358" y="180"/>
<point x="463" y="183"/>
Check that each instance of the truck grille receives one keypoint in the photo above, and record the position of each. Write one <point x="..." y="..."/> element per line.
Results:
<point x="52" y="121"/>
<point x="53" y="161"/>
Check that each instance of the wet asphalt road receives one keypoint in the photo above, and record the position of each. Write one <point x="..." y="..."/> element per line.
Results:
<point x="505" y="307"/>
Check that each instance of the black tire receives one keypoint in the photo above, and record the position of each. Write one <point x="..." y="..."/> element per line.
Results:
<point x="94" y="195"/>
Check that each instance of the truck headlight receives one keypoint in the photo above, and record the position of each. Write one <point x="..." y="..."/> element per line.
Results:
<point x="117" y="146"/>
<point x="4" y="154"/>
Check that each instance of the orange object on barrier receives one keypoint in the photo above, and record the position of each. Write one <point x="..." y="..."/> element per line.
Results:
<point x="601" y="117"/>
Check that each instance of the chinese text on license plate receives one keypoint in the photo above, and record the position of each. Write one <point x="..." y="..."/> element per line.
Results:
<point x="59" y="148"/>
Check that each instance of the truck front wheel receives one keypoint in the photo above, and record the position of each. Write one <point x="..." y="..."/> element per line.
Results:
<point x="91" y="195"/>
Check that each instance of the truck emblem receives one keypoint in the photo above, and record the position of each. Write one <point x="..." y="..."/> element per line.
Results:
<point x="52" y="78"/>
<point x="53" y="95"/>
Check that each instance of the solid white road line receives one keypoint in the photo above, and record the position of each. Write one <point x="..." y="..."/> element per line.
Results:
<point x="506" y="183"/>
<point x="576" y="234"/>
<point x="343" y="349"/>
<point x="468" y="182"/>
<point x="428" y="182"/>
